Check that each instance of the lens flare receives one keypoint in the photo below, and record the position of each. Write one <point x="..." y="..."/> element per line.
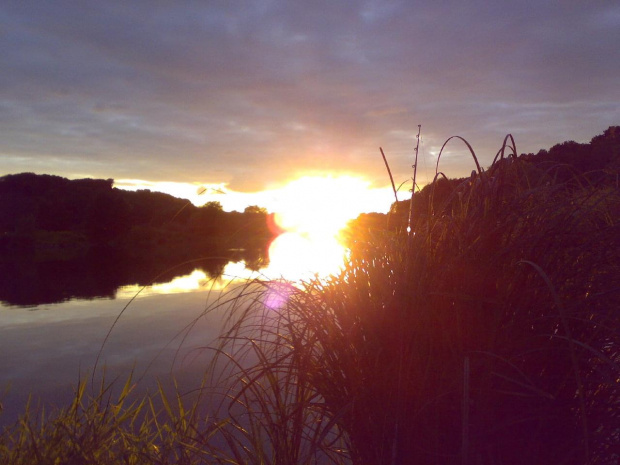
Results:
<point x="278" y="293"/>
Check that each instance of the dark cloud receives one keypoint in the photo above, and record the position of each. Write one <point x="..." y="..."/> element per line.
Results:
<point x="254" y="92"/>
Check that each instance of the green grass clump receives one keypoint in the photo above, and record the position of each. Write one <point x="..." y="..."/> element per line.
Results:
<point x="110" y="429"/>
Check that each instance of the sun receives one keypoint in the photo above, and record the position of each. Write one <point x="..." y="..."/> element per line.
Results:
<point x="312" y="210"/>
<point x="320" y="205"/>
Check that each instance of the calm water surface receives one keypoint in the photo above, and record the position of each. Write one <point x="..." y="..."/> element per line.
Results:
<point x="45" y="349"/>
<point x="55" y="316"/>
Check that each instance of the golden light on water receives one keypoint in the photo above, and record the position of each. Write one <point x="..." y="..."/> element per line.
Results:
<point x="194" y="281"/>
<point x="295" y="255"/>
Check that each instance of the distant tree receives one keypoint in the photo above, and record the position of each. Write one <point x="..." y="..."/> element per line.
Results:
<point x="255" y="209"/>
<point x="213" y="205"/>
<point x="606" y="148"/>
<point x="208" y="220"/>
<point x="108" y="218"/>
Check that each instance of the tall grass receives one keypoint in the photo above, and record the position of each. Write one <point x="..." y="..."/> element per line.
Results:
<point x="111" y="428"/>
<point x="494" y="341"/>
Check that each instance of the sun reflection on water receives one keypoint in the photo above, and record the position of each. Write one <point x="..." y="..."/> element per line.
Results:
<point x="194" y="281"/>
<point x="295" y="256"/>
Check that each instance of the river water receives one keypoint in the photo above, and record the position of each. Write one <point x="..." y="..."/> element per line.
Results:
<point x="61" y="320"/>
<point x="46" y="348"/>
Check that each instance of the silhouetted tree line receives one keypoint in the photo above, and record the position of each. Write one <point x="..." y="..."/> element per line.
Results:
<point x="44" y="217"/>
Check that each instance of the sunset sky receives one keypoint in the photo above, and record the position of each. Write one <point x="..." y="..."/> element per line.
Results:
<point x="242" y="97"/>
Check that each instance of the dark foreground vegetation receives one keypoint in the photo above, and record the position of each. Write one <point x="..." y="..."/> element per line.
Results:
<point x="63" y="239"/>
<point x="487" y="336"/>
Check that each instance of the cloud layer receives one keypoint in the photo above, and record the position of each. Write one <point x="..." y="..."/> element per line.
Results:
<point x="254" y="93"/>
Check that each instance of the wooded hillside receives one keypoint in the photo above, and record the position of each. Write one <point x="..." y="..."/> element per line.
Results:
<point x="45" y="217"/>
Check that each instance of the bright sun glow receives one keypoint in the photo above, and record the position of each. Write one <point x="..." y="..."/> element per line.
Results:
<point x="320" y="206"/>
<point x="312" y="211"/>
